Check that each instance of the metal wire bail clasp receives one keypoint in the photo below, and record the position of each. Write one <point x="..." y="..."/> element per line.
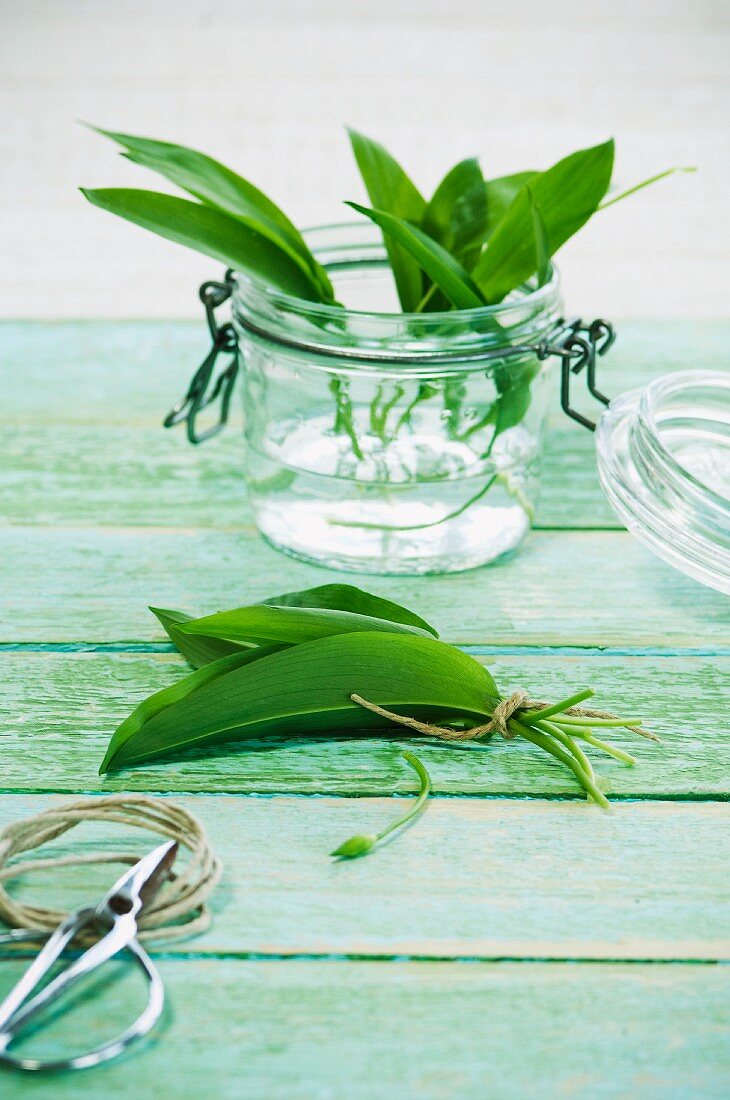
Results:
<point x="202" y="391"/>
<point x="578" y="344"/>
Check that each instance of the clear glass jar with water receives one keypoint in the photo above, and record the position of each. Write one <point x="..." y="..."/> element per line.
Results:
<point x="383" y="442"/>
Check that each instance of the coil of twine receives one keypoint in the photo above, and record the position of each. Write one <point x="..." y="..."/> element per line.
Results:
<point x="178" y="909"/>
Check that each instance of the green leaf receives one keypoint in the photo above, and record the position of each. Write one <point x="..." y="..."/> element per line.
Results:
<point x="346" y="597"/>
<point x="199" y="649"/>
<point x="542" y="243"/>
<point x="207" y="179"/>
<point x="567" y="194"/>
<point x="456" y="216"/>
<point x="263" y="624"/>
<point x="501" y="193"/>
<point x="215" y="184"/>
<point x="305" y="690"/>
<point x="448" y="275"/>
<point x="511" y="407"/>
<point x="644" y="183"/>
<point x="482" y="205"/>
<point x="196" y="648"/>
<point x="232" y="241"/>
<point x="390" y="189"/>
<point x="177" y="693"/>
<point x="513" y="382"/>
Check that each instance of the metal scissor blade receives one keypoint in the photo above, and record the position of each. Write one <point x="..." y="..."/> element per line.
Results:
<point x="43" y="962"/>
<point x="119" y="936"/>
<point x="118" y="911"/>
<point x="139" y="884"/>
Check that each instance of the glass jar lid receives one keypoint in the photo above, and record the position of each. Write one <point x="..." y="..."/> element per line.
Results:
<point x="664" y="464"/>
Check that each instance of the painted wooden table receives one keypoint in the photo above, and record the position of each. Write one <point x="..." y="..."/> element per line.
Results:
<point x="516" y="942"/>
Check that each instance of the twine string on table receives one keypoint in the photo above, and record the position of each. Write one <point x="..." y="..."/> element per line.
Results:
<point x="179" y="909"/>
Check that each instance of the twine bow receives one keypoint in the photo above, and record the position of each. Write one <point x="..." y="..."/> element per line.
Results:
<point x="498" y="723"/>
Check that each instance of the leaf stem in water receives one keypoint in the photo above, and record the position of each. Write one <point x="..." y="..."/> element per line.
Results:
<point x="425" y="392"/>
<point x="343" y="416"/>
<point x="417" y="526"/>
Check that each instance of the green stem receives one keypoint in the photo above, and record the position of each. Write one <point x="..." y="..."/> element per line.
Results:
<point x="595" y="723"/>
<point x="426" y="298"/>
<point x="514" y="491"/>
<point x="419" y="804"/>
<point x="374" y="416"/>
<point x="425" y="392"/>
<point x="547" y="743"/>
<point x="386" y="409"/>
<point x="454" y="391"/>
<point x="343" y="418"/>
<point x="610" y="750"/>
<point x="556" y="708"/>
<point x="566" y="740"/>
<point x="362" y="843"/>
<point x="486" y="420"/>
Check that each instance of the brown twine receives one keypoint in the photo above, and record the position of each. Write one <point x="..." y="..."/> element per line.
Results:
<point x="498" y="723"/>
<point x="182" y="896"/>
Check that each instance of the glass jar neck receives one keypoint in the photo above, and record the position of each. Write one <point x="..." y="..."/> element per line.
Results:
<point x="357" y="263"/>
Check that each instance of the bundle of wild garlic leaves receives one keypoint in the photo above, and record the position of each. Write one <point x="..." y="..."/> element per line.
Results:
<point x="472" y="243"/>
<point x="335" y="661"/>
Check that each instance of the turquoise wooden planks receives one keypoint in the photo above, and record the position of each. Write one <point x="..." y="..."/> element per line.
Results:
<point x="475" y="878"/>
<point x="57" y="711"/>
<point x="314" y="1030"/>
<point x="103" y="512"/>
<point x="563" y="588"/>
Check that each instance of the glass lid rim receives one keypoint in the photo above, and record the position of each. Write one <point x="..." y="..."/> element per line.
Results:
<point x="692" y="540"/>
<point x="669" y="385"/>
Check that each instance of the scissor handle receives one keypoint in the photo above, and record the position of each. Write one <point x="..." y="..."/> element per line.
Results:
<point x="25" y="1010"/>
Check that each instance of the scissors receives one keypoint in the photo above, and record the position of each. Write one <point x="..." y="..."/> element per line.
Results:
<point x="116" y="915"/>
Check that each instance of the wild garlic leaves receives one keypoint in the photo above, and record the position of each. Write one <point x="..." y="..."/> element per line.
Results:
<point x="233" y="222"/>
<point x="303" y="690"/>
<point x="471" y="244"/>
<point x="390" y="190"/>
<point x="433" y="260"/>
<point x="217" y="645"/>
<point x="498" y="232"/>
<point x="211" y="182"/>
<point x="236" y="242"/>
<point x="334" y="662"/>
<point x="566" y="196"/>
<point x="457" y="215"/>
<point x="286" y="620"/>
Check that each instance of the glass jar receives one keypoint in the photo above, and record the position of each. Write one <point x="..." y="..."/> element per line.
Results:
<point x="384" y="442"/>
<point x="664" y="462"/>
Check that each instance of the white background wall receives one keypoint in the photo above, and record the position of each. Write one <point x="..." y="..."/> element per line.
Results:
<point x="267" y="84"/>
